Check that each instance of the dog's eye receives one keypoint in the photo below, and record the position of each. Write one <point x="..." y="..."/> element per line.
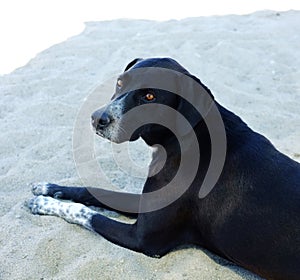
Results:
<point x="149" y="96"/>
<point x="119" y="83"/>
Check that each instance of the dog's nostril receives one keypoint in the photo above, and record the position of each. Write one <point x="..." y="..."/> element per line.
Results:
<point x="104" y="120"/>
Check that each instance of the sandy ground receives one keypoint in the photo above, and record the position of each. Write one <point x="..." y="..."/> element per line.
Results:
<point x="252" y="65"/>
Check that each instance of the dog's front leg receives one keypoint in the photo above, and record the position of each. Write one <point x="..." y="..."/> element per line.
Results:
<point x="119" y="233"/>
<point x="88" y="196"/>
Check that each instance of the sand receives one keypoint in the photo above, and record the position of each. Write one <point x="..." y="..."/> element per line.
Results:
<point x="252" y="65"/>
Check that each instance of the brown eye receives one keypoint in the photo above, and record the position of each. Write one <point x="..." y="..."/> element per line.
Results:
<point x="149" y="96"/>
<point x="119" y="83"/>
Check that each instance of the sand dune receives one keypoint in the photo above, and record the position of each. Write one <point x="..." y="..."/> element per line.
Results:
<point x="252" y="65"/>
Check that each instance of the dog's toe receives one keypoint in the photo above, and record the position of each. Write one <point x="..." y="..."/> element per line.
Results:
<point x="39" y="188"/>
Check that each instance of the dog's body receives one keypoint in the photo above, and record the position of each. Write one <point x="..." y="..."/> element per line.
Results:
<point x="251" y="216"/>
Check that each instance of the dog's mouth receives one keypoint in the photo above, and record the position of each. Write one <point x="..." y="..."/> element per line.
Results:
<point x="110" y="132"/>
<point x="96" y="130"/>
<point x="115" y="133"/>
<point x="100" y="132"/>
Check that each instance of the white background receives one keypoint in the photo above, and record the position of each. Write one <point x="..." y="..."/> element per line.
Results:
<point x="30" y="26"/>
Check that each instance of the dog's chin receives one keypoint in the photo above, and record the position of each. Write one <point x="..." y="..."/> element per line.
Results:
<point x="118" y="139"/>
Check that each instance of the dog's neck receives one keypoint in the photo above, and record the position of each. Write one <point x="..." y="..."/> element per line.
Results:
<point x="167" y="154"/>
<point x="237" y="131"/>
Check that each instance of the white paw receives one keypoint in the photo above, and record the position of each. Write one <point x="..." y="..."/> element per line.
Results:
<point x="75" y="213"/>
<point x="43" y="205"/>
<point x="40" y="188"/>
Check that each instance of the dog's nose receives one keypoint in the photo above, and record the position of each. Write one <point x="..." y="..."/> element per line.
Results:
<point x="104" y="120"/>
<point x="100" y="119"/>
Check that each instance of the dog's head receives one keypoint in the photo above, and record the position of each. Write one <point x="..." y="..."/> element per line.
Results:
<point x="150" y="99"/>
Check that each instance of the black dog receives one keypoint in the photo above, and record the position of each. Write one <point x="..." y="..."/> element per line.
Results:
<point x="252" y="214"/>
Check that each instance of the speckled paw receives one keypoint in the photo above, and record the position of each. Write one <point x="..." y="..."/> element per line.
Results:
<point x="40" y="188"/>
<point x="42" y="205"/>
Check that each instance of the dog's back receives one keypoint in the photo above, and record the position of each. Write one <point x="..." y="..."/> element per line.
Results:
<point x="256" y="205"/>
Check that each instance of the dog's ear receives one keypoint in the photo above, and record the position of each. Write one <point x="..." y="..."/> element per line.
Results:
<point x="197" y="106"/>
<point x="133" y="62"/>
